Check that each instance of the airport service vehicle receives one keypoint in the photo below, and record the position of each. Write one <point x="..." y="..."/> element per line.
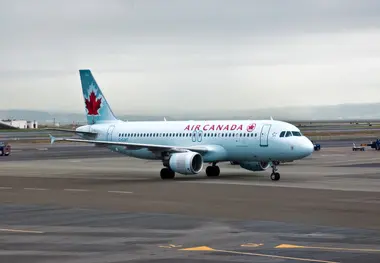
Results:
<point x="5" y="149"/>
<point x="184" y="146"/>
<point x="358" y="148"/>
<point x="374" y="144"/>
<point x="317" y="146"/>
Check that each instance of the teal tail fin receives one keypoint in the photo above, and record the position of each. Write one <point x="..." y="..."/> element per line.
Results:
<point x="96" y="105"/>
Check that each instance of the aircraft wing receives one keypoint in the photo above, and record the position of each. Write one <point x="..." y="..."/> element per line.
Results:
<point x="134" y="146"/>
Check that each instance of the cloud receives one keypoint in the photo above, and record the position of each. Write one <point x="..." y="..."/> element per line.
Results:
<point x="162" y="56"/>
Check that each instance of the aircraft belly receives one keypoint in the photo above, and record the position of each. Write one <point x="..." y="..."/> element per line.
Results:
<point x="141" y="153"/>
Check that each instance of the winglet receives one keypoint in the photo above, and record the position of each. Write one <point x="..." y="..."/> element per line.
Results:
<point x="52" y="139"/>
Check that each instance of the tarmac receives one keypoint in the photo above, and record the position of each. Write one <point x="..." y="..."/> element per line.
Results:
<point x="75" y="203"/>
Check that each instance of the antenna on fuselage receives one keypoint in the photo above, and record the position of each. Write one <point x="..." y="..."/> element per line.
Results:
<point x="164" y="119"/>
<point x="271" y="118"/>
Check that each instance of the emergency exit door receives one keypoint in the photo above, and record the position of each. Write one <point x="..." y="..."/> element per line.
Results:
<point x="109" y="132"/>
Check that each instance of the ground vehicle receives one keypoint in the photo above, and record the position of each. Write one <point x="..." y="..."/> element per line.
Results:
<point x="358" y="148"/>
<point x="5" y="149"/>
<point x="317" y="146"/>
<point x="374" y="144"/>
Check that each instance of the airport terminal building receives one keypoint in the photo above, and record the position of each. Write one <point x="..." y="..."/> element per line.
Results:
<point x="18" y="124"/>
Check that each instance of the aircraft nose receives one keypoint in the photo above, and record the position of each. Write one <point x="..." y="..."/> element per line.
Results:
<point x="307" y="147"/>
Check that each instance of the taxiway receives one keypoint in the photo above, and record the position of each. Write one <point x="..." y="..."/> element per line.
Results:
<point x="58" y="206"/>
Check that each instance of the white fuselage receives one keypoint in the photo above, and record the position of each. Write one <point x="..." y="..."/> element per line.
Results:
<point x="229" y="140"/>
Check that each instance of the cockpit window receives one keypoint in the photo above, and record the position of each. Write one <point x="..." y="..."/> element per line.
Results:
<point x="296" y="133"/>
<point x="290" y="133"/>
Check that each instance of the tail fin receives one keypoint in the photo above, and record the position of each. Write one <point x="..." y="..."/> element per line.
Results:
<point x="96" y="105"/>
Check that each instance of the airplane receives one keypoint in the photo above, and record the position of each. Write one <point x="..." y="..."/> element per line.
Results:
<point x="184" y="146"/>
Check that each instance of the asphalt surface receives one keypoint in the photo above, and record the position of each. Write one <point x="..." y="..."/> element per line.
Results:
<point x="344" y="142"/>
<point x="42" y="151"/>
<point x="66" y="208"/>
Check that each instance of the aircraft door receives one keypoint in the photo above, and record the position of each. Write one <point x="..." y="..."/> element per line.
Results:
<point x="264" y="135"/>
<point x="109" y="132"/>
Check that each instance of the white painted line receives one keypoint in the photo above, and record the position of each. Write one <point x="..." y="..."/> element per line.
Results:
<point x="5" y="188"/>
<point x="20" y="231"/>
<point x="120" y="192"/>
<point x="36" y="189"/>
<point x="76" y="190"/>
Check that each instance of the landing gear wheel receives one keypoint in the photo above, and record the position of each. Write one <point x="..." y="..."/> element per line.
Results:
<point x="275" y="176"/>
<point x="166" y="173"/>
<point x="212" y="171"/>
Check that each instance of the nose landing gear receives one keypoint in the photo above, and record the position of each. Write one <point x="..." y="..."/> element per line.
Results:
<point x="275" y="176"/>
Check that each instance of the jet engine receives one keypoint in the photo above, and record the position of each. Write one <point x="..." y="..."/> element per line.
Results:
<point x="255" y="166"/>
<point x="186" y="163"/>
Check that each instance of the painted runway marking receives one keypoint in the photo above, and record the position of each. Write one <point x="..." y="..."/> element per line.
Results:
<point x="5" y="188"/>
<point x="251" y="245"/>
<point x="170" y="246"/>
<point x="331" y="155"/>
<point x="120" y="192"/>
<point x="35" y="189"/>
<point x="20" y="231"/>
<point x="42" y="149"/>
<point x="76" y="190"/>
<point x="205" y="248"/>
<point x="289" y="246"/>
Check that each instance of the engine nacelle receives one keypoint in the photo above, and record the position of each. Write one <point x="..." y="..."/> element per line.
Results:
<point x="186" y="163"/>
<point x="255" y="166"/>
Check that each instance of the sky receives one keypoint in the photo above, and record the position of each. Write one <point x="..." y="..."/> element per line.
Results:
<point x="163" y="56"/>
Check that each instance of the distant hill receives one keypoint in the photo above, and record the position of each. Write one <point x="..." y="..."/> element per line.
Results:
<point x="333" y="112"/>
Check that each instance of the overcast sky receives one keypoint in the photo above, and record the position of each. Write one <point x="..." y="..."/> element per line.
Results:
<point x="189" y="55"/>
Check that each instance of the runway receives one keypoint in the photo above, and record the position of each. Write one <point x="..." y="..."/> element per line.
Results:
<point x="66" y="208"/>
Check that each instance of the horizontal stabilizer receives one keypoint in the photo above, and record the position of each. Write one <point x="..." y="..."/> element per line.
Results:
<point x="72" y="131"/>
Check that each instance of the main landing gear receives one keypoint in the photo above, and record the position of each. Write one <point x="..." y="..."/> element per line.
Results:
<point x="212" y="171"/>
<point x="275" y="176"/>
<point x="167" y="173"/>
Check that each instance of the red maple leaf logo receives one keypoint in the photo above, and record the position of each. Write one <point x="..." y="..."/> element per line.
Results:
<point x="93" y="104"/>
<point x="251" y="127"/>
